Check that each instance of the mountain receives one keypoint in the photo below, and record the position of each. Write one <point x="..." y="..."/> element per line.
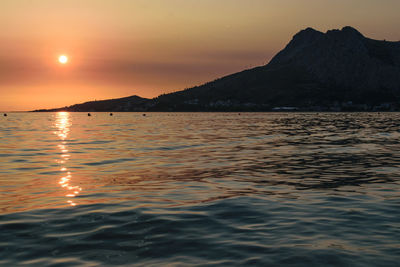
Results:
<point x="336" y="70"/>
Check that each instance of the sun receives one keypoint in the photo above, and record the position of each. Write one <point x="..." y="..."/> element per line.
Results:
<point x="63" y="59"/>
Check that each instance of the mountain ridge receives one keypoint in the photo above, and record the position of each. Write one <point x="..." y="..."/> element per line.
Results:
<point x="337" y="70"/>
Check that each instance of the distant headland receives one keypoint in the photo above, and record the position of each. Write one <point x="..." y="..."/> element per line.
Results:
<point x="340" y="70"/>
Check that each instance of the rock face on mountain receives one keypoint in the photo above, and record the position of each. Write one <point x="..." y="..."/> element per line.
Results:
<point x="336" y="70"/>
<point x="344" y="60"/>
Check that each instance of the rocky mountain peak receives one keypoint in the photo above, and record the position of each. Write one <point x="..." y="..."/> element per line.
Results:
<point x="306" y="36"/>
<point x="346" y="34"/>
<point x="351" y="30"/>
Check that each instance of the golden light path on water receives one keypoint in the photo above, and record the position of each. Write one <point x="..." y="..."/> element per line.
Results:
<point x="63" y="123"/>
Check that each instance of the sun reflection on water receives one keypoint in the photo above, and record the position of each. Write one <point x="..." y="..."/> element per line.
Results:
<point x="63" y="124"/>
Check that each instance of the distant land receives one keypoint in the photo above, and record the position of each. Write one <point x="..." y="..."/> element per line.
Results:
<point x="340" y="70"/>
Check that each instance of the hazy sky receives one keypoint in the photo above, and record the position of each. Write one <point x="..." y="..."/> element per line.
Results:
<point x="119" y="48"/>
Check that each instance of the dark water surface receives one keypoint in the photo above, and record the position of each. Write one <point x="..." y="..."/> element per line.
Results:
<point x="200" y="189"/>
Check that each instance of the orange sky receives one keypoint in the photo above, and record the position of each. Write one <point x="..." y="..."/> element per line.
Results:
<point x="148" y="47"/>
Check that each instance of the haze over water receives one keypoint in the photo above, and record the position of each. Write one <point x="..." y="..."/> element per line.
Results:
<point x="200" y="189"/>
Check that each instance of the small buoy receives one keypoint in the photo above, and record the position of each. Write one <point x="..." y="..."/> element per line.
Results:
<point x="144" y="115"/>
<point x="89" y="114"/>
<point x="5" y="114"/>
<point x="111" y="114"/>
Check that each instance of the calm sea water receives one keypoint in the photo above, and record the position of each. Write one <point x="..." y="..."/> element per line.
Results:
<point x="200" y="189"/>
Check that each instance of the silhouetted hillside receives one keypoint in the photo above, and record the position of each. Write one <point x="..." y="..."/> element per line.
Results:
<point x="131" y="103"/>
<point x="337" y="70"/>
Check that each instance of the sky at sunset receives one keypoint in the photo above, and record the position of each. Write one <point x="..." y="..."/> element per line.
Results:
<point x="119" y="48"/>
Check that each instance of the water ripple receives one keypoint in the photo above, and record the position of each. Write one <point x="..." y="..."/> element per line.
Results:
<point x="195" y="189"/>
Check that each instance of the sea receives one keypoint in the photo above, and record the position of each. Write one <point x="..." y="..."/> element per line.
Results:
<point x="200" y="189"/>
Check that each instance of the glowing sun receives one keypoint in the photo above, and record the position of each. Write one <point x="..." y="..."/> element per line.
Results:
<point x="63" y="59"/>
